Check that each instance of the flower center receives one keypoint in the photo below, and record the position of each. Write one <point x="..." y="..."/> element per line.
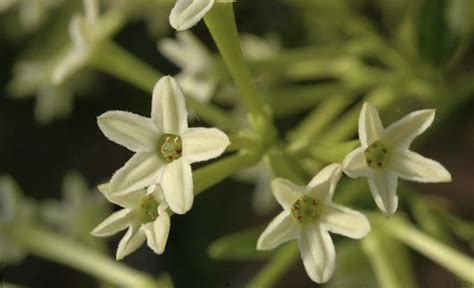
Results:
<point x="307" y="210"/>
<point x="170" y="147"/>
<point x="148" y="209"/>
<point x="376" y="155"/>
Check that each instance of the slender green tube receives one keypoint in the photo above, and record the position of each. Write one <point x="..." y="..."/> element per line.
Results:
<point x="54" y="247"/>
<point x="445" y="256"/>
<point x="220" y="21"/>
<point x="279" y="264"/>
<point x="214" y="173"/>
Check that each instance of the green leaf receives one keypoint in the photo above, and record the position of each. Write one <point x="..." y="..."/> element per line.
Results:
<point x="239" y="245"/>
<point x="437" y="41"/>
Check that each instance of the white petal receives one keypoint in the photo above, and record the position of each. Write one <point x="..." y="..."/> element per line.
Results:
<point x="129" y="200"/>
<point x="286" y="192"/>
<point x="200" y="89"/>
<point x="317" y="252"/>
<point x="414" y="167"/>
<point x="401" y="133"/>
<point x="186" y="13"/>
<point x="322" y="185"/>
<point x="344" y="221"/>
<point x="185" y="47"/>
<point x="355" y="164"/>
<point x="116" y="222"/>
<point x="157" y="233"/>
<point x="168" y="107"/>
<point x="139" y="172"/>
<point x="370" y="126"/>
<point x="130" y="242"/>
<point x="133" y="131"/>
<point x="280" y="230"/>
<point x="177" y="184"/>
<point x="201" y="144"/>
<point x="383" y="185"/>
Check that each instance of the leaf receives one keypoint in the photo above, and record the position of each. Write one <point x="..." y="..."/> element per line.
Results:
<point x="239" y="245"/>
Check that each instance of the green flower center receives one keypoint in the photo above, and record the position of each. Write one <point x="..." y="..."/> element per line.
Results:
<point x="170" y="147"/>
<point x="148" y="209"/>
<point x="376" y="155"/>
<point x="307" y="210"/>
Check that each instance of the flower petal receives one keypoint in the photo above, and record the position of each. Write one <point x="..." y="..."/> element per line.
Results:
<point x="130" y="242"/>
<point x="177" y="184"/>
<point x="280" y="230"/>
<point x="201" y="144"/>
<point x="185" y="47"/>
<point x="383" y="185"/>
<point x="344" y="221"/>
<point x="318" y="253"/>
<point x="139" y="172"/>
<point x="116" y="222"/>
<point x="129" y="200"/>
<point x="401" y="133"/>
<point x="414" y="167"/>
<point x="370" y="125"/>
<point x="322" y="185"/>
<point x="157" y="233"/>
<point x="286" y="192"/>
<point x="168" y="107"/>
<point x="133" y="131"/>
<point x="355" y="164"/>
<point x="186" y="13"/>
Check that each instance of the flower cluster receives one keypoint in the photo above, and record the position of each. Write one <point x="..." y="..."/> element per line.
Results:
<point x="159" y="175"/>
<point x="309" y="214"/>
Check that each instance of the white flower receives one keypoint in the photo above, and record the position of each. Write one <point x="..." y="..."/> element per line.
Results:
<point x="32" y="78"/>
<point x="165" y="147"/>
<point x="196" y="76"/>
<point x="84" y="34"/>
<point x="144" y="215"/>
<point x="186" y="13"/>
<point x="308" y="216"/>
<point x="384" y="155"/>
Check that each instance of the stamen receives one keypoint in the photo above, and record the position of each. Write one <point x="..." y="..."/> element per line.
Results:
<point x="376" y="155"/>
<point x="169" y="147"/>
<point x="306" y="210"/>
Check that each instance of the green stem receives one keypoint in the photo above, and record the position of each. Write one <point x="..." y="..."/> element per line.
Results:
<point x="317" y="120"/>
<point x="447" y="257"/>
<point x="240" y="142"/>
<point x="51" y="246"/>
<point x="279" y="264"/>
<point x="118" y="62"/>
<point x="220" y="21"/>
<point x="390" y="260"/>
<point x="214" y="173"/>
<point x="291" y="100"/>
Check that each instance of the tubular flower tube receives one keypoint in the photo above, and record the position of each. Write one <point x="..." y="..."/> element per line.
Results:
<point x="384" y="155"/>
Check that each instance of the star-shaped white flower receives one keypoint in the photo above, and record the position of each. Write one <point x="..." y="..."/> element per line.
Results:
<point x="384" y="155"/>
<point x="308" y="216"/>
<point x="85" y="34"/>
<point x="145" y="216"/>
<point x="165" y="147"/>
<point x="187" y="13"/>
<point x="196" y="76"/>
